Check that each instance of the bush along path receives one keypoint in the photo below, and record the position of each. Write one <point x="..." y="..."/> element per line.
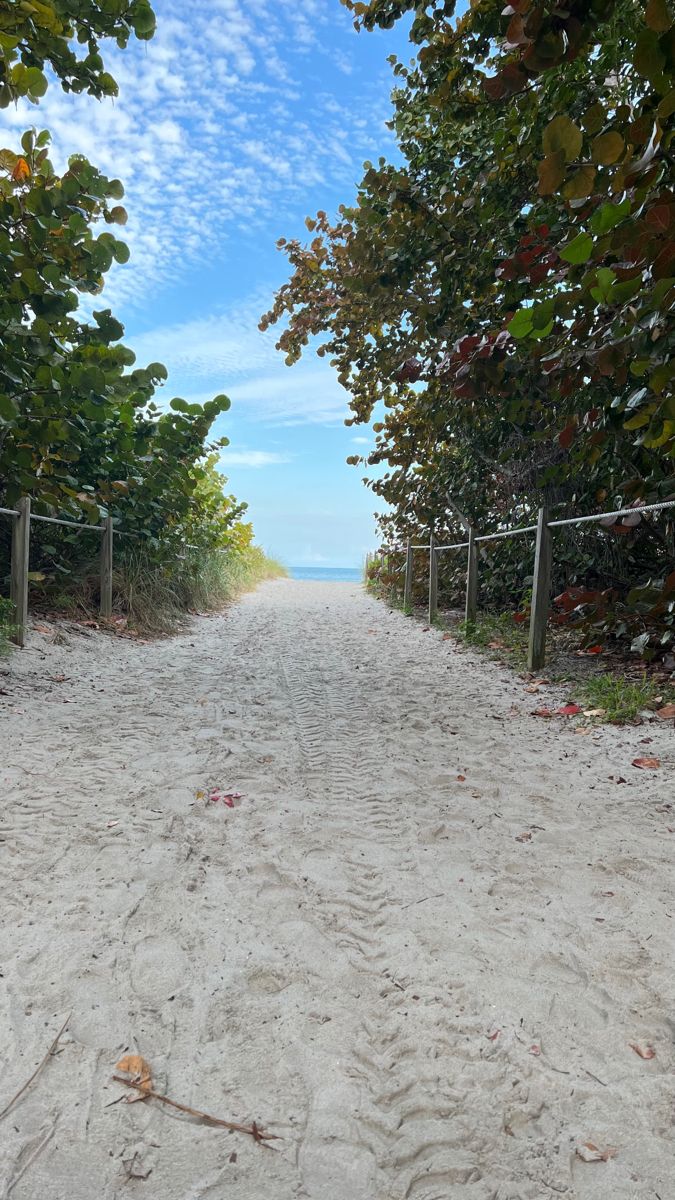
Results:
<point x="81" y="430"/>
<point x="498" y="301"/>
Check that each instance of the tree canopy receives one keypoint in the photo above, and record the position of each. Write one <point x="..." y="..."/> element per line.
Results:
<point x="39" y="33"/>
<point x="81" y="429"/>
<point x="500" y="301"/>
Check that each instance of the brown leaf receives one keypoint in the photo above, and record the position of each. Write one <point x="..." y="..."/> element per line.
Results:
<point x="647" y="764"/>
<point x="667" y="713"/>
<point x="139" y="1072"/>
<point x="524" y="837"/>
<point x="21" y="171"/>
<point x="643" y="1051"/>
<point x="461" y="778"/>
<point x="589" y="1152"/>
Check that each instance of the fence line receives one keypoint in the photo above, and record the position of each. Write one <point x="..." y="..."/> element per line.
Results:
<point x="543" y="568"/>
<point x="19" y="577"/>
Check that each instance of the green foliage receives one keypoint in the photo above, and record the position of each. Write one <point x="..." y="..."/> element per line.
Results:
<point x="156" y="598"/>
<point x="81" y="431"/>
<point x="503" y="297"/>
<point x="6" y="624"/>
<point x="39" y="33"/>
<point x="623" y="699"/>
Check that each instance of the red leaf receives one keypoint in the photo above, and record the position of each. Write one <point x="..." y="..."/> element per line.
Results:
<point x="519" y="618"/>
<point x="567" y="436"/>
<point x="569" y="710"/>
<point x="589" y="1152"/>
<point x="594" y="649"/>
<point x="647" y="764"/>
<point x="643" y="1051"/>
<point x="461" y="778"/>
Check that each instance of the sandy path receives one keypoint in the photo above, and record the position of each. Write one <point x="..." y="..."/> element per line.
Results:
<point x="334" y="956"/>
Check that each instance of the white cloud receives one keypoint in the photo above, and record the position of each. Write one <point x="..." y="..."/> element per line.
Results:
<point x="361" y="441"/>
<point x="226" y="352"/>
<point x="221" y="126"/>
<point x="251" y="458"/>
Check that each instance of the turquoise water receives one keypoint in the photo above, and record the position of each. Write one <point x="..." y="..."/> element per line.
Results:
<point x="328" y="574"/>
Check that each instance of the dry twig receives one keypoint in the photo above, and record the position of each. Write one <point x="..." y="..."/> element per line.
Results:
<point x="252" y="1130"/>
<point x="37" y="1070"/>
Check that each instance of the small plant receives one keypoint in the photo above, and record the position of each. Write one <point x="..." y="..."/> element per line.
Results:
<point x="497" y="632"/>
<point x="6" y="623"/>
<point x="623" y="699"/>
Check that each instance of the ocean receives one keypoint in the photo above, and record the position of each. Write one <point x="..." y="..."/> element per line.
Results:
<point x="328" y="574"/>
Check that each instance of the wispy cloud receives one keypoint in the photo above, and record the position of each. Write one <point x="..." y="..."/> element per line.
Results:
<point x="251" y="458"/>
<point x="226" y="352"/>
<point x="221" y="128"/>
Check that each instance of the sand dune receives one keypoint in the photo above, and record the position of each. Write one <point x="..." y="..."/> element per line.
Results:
<point x="365" y="955"/>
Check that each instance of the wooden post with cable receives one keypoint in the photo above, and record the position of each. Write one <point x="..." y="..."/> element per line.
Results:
<point x="106" y="567"/>
<point x="407" y="589"/>
<point x="19" y="569"/>
<point x="541" y="594"/>
<point x="471" y="580"/>
<point x="433" y="579"/>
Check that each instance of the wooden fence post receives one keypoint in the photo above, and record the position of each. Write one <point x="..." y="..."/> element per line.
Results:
<point x="433" y="579"/>
<point x="541" y="594"/>
<point x="106" y="568"/>
<point x="19" y="569"/>
<point x="407" y="590"/>
<point x="471" y="580"/>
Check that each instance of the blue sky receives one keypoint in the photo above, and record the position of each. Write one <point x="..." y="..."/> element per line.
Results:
<point x="237" y="121"/>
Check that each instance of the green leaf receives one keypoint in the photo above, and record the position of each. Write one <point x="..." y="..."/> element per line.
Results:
<point x="607" y="148"/>
<point x="8" y="409"/>
<point x="609" y="215"/>
<point x="562" y="135"/>
<point x="580" y="184"/>
<point x="579" y="250"/>
<point x="520" y="325"/>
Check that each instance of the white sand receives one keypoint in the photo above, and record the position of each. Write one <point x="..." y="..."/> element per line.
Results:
<point x="331" y="956"/>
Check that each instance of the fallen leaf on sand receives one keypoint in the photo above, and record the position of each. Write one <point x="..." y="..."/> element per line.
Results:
<point x="58" y="678"/>
<point x="647" y="764"/>
<point x="589" y="1152"/>
<point x="667" y="713"/>
<point x="43" y="629"/>
<point x="492" y="1037"/>
<point x="542" y="712"/>
<point x="568" y="710"/>
<point x="461" y="778"/>
<point x="643" y="1051"/>
<point x="524" y="837"/>
<point x="594" y="712"/>
<point x="227" y="798"/>
<point x="139" y="1073"/>
<point x="447" y="637"/>
<point x="536" y="1050"/>
<point x="112" y="824"/>
<point x="532" y="689"/>
<point x="496" y="645"/>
